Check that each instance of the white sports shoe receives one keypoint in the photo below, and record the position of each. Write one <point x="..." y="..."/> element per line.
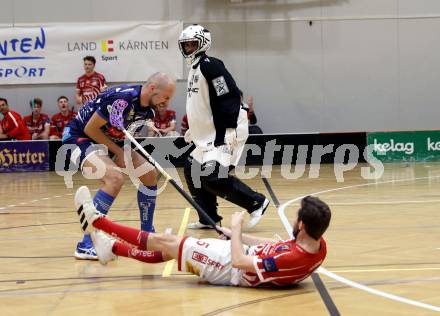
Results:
<point x="198" y="225"/>
<point x="87" y="212"/>
<point x="256" y="215"/>
<point x="103" y="245"/>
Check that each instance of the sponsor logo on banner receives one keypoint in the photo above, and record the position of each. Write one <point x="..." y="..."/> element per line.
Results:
<point x="107" y="46"/>
<point x="24" y="156"/>
<point x="21" y="49"/>
<point x="405" y="146"/>
<point x="111" y="46"/>
<point x="53" y="53"/>
<point x="432" y="145"/>
<point x="392" y="145"/>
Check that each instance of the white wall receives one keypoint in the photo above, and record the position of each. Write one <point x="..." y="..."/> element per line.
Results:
<point x="361" y="65"/>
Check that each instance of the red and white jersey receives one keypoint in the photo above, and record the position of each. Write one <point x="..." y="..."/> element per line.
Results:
<point x="59" y="121"/>
<point x="14" y="127"/>
<point x="90" y="86"/>
<point x="36" y="126"/>
<point x="282" y="264"/>
<point x="165" y="122"/>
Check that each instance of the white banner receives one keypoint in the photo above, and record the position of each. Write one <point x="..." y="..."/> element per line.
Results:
<point x="124" y="51"/>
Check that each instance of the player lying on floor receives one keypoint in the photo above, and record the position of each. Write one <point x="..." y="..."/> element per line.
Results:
<point x="243" y="260"/>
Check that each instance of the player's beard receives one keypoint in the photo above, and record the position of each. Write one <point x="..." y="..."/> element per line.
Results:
<point x="151" y="103"/>
<point x="296" y="230"/>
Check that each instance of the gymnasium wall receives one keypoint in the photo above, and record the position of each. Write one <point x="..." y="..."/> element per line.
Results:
<point x="361" y="65"/>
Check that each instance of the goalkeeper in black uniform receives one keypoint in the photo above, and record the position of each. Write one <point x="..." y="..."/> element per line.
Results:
<point x="218" y="126"/>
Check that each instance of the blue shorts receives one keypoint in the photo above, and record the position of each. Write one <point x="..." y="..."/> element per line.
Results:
<point x="82" y="149"/>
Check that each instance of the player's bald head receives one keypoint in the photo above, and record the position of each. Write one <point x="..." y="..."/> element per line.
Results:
<point x="161" y="81"/>
<point x="159" y="89"/>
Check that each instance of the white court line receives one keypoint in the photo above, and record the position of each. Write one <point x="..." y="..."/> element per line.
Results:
<point x="384" y="270"/>
<point x="385" y="203"/>
<point x="33" y="201"/>
<point x="288" y="227"/>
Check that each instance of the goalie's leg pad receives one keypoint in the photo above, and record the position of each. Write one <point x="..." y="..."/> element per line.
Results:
<point x="205" y="199"/>
<point x="232" y="189"/>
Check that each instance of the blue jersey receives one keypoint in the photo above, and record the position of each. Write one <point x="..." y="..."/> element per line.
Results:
<point x="119" y="106"/>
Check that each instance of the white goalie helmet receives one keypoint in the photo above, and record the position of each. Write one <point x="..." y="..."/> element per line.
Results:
<point x="195" y="33"/>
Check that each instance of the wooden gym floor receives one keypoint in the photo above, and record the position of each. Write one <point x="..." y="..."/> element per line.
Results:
<point x="384" y="237"/>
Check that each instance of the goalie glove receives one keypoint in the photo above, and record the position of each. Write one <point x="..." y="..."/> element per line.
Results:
<point x="187" y="136"/>
<point x="231" y="137"/>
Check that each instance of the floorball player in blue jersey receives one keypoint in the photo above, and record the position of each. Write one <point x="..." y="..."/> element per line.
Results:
<point x="95" y="133"/>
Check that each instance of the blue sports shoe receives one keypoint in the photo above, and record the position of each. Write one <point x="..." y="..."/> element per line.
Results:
<point x="85" y="251"/>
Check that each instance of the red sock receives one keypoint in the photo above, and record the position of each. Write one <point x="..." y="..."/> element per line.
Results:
<point x="124" y="250"/>
<point x="131" y="235"/>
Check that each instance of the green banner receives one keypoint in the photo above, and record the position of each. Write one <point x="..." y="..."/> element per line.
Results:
<point x="405" y="146"/>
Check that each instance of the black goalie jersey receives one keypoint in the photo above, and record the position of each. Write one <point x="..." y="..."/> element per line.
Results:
<point x="213" y="102"/>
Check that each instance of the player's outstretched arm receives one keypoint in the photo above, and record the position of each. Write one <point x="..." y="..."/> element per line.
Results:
<point x="239" y="259"/>
<point x="247" y="239"/>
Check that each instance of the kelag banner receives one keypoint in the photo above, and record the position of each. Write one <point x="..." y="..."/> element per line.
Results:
<point x="24" y="156"/>
<point x="405" y="146"/>
<point x="124" y="51"/>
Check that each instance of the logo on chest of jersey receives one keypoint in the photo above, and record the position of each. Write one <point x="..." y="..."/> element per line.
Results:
<point x="282" y="248"/>
<point x="191" y="88"/>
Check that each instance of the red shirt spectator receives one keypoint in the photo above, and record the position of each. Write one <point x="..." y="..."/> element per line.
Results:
<point x="184" y="125"/>
<point x="38" y="123"/>
<point x="165" y="121"/>
<point x="12" y="124"/>
<point x="61" y="119"/>
<point x="253" y="128"/>
<point x="90" y="84"/>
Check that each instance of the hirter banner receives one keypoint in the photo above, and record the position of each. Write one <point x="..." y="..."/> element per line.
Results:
<point x="124" y="51"/>
<point x="24" y="156"/>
